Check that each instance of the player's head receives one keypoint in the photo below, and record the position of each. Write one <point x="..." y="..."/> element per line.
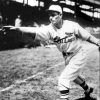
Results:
<point x="55" y="14"/>
<point x="19" y="16"/>
<point x="56" y="8"/>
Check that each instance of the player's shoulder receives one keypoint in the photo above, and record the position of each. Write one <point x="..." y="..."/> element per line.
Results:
<point x="45" y="28"/>
<point x="48" y="27"/>
<point x="71" y="23"/>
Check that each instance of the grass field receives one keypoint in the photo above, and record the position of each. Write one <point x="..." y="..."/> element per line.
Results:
<point x="45" y="65"/>
<point x="19" y="64"/>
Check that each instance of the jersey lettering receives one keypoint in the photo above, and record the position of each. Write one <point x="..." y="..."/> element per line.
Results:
<point x="68" y="38"/>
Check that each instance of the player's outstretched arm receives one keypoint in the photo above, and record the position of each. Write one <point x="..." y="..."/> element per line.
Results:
<point x="85" y="35"/>
<point x="22" y="29"/>
<point x="99" y="45"/>
<point x="25" y="30"/>
<point x="94" y="40"/>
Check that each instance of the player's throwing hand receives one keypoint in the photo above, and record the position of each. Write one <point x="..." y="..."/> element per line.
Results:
<point x="98" y="45"/>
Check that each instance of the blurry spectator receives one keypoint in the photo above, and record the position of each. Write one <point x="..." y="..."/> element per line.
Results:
<point x="6" y="21"/>
<point x="18" y="21"/>
<point x="1" y="19"/>
<point x="36" y="24"/>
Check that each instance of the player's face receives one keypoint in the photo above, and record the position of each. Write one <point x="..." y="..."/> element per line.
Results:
<point x="55" y="18"/>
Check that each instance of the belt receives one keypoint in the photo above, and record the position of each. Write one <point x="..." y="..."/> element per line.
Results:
<point x="70" y="53"/>
<point x="67" y="53"/>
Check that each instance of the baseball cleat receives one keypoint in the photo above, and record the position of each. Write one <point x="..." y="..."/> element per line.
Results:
<point x="88" y="92"/>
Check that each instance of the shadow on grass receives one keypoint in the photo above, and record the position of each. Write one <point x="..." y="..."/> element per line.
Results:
<point x="86" y="98"/>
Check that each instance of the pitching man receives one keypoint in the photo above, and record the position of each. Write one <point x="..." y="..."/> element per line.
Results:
<point x="68" y="37"/>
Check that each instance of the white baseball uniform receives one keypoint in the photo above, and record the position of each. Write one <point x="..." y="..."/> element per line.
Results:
<point x="68" y="39"/>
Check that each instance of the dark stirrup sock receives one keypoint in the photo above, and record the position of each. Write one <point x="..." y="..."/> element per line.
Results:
<point x="80" y="81"/>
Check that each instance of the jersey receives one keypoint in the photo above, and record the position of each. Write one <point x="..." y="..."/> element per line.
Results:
<point x="67" y="39"/>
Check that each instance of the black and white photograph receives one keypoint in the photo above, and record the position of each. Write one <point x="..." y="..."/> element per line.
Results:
<point x="49" y="49"/>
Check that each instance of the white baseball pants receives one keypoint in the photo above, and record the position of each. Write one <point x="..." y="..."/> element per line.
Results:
<point x="71" y="70"/>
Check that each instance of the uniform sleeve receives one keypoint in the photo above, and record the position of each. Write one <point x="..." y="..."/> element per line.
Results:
<point x="81" y="32"/>
<point x="85" y="35"/>
<point x="42" y="33"/>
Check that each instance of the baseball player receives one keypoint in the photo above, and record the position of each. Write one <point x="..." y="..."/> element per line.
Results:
<point x="68" y="36"/>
